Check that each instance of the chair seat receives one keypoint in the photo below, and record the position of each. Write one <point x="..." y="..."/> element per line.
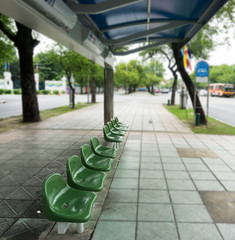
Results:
<point x="82" y="178"/>
<point x="62" y="203"/>
<point x="101" y="150"/>
<point x="115" y="131"/>
<point x="110" y="137"/>
<point x="93" y="161"/>
<point x="118" y="127"/>
<point x="99" y="163"/>
<point x="106" y="151"/>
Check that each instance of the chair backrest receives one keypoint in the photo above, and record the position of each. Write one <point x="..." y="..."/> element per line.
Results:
<point x="73" y="164"/>
<point x="94" y="143"/>
<point x="106" y="130"/>
<point x="109" y="125"/>
<point x="52" y="185"/>
<point x="116" y="119"/>
<point x="113" y="123"/>
<point x="85" y="151"/>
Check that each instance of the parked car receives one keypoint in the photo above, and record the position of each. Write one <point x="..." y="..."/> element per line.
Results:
<point x="203" y="92"/>
<point x="165" y="90"/>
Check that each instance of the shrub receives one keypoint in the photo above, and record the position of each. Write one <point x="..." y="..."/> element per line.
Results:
<point x="46" y="92"/>
<point x="56" y="92"/>
<point x="7" y="91"/>
<point x="2" y="91"/>
<point x="63" y="92"/>
<point x="17" y="91"/>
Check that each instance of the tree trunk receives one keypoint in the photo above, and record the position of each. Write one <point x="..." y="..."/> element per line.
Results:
<point x="25" y="44"/>
<point x="188" y="82"/>
<point x="72" y="89"/>
<point x="93" y="84"/>
<point x="174" y="87"/>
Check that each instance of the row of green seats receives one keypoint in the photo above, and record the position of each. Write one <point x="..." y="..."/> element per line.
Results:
<point x="66" y="203"/>
<point x="73" y="202"/>
<point x="114" y="131"/>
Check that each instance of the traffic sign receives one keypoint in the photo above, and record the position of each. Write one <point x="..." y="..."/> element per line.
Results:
<point x="202" y="69"/>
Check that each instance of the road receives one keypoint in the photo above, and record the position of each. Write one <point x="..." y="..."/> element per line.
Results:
<point x="222" y="109"/>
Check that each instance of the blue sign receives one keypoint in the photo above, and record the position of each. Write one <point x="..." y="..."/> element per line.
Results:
<point x="202" y="69"/>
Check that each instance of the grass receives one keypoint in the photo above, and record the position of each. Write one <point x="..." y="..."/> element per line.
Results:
<point x="213" y="126"/>
<point x="16" y="122"/>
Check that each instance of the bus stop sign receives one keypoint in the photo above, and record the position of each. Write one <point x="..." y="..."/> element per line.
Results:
<point x="202" y="71"/>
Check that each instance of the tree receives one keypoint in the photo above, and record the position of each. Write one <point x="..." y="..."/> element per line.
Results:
<point x="47" y="68"/>
<point x="25" y="43"/>
<point x="188" y="82"/>
<point x="154" y="72"/>
<point x="166" y="52"/>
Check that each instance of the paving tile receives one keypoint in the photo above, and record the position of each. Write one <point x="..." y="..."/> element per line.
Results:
<point x="191" y="213"/>
<point x="153" y="196"/>
<point x="202" y="176"/>
<point x="129" y="165"/>
<point x="119" y="211"/>
<point x="174" y="166"/>
<point x="130" y="183"/>
<point x="27" y="228"/>
<point x="192" y="160"/>
<point x="155" y="159"/>
<point x="156" y="231"/>
<point x="5" y="224"/>
<point x="227" y="230"/>
<point x="187" y="197"/>
<point x="122" y="230"/>
<point x="151" y="166"/>
<point x="229" y="185"/>
<point x="197" y="168"/>
<point x="124" y="173"/>
<point x="122" y="195"/>
<point x="198" y="231"/>
<point x="220" y="205"/>
<point x="208" y="185"/>
<point x="14" y="208"/>
<point x="230" y="176"/>
<point x="152" y="184"/>
<point x="177" y="175"/>
<point x="155" y="212"/>
<point x="171" y="159"/>
<point x="151" y="174"/>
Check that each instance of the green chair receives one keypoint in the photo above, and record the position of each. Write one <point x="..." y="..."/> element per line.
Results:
<point x="120" y="123"/>
<point x="82" y="178"/>
<point x="64" y="204"/>
<point x="115" y="131"/>
<point x="110" y="137"/>
<point x="117" y="126"/>
<point x="93" y="161"/>
<point x="101" y="150"/>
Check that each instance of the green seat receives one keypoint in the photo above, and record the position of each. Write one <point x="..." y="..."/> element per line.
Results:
<point x="117" y="126"/>
<point x="93" y="161"/>
<point x="64" y="204"/>
<point x="120" y="123"/>
<point x="82" y="178"/>
<point x="101" y="150"/>
<point x="110" y="137"/>
<point x="115" y="131"/>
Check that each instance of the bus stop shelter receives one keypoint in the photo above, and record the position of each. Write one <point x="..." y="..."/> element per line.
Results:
<point x="96" y="29"/>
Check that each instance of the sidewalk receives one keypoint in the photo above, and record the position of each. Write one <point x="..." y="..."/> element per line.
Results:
<point x="167" y="183"/>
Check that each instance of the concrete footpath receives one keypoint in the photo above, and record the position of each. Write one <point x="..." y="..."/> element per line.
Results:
<point x="166" y="183"/>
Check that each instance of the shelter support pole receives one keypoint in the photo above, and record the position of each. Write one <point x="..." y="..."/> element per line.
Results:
<point x="108" y="93"/>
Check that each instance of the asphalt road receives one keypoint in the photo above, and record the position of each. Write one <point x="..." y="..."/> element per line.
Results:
<point x="222" y="109"/>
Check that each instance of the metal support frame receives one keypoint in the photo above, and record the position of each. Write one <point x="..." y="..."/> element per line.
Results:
<point x="63" y="226"/>
<point x="99" y="7"/>
<point x="129" y="38"/>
